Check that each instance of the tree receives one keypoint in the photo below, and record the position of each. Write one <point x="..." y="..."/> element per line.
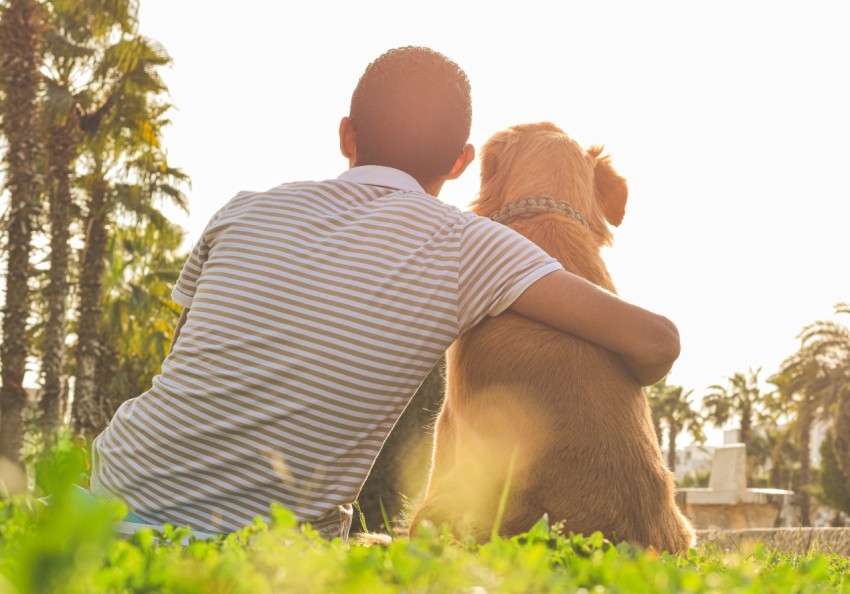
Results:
<point x="79" y="33"/>
<point x="812" y="383"/>
<point x="672" y="408"/>
<point x="740" y="399"/>
<point x="799" y="396"/>
<point x="773" y="458"/>
<point x="21" y="36"/>
<point x="126" y="167"/>
<point x="89" y="86"/>
<point x="61" y="153"/>
<point x="138" y="320"/>
<point x="828" y="343"/>
<point x="835" y="484"/>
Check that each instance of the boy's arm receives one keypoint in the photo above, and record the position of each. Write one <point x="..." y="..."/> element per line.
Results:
<point x="180" y="323"/>
<point x="647" y="342"/>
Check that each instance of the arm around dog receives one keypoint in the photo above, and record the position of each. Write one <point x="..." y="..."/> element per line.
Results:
<point x="648" y="343"/>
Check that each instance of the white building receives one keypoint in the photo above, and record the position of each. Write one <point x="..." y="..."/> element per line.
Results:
<point x="692" y="459"/>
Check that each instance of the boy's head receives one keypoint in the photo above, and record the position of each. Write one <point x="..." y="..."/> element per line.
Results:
<point x="412" y="110"/>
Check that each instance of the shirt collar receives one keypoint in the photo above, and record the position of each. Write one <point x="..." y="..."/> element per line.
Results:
<point x="378" y="175"/>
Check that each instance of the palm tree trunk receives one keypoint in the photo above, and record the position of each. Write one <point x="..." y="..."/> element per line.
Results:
<point x="746" y="424"/>
<point x="842" y="432"/>
<point x="104" y="374"/>
<point x="89" y="418"/>
<point x="805" y="421"/>
<point x="21" y="30"/>
<point x="672" y="434"/>
<point x="777" y="476"/>
<point x="62" y="150"/>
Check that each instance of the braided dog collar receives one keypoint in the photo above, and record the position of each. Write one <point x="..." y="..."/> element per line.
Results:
<point x="531" y="206"/>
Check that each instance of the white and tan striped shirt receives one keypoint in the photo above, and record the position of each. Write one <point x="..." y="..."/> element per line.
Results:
<point x="317" y="309"/>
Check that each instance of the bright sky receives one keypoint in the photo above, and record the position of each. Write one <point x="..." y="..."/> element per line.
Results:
<point x="729" y="119"/>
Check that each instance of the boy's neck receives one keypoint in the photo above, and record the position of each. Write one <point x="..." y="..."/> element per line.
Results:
<point x="432" y="188"/>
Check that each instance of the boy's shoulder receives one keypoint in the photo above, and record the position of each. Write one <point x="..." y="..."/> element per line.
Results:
<point x="340" y="195"/>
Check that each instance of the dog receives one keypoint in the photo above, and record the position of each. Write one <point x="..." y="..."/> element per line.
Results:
<point x="536" y="422"/>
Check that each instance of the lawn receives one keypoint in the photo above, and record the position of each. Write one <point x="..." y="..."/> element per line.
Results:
<point x="62" y="547"/>
<point x="52" y="549"/>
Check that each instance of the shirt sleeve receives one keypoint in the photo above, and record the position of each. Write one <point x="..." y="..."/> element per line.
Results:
<point x="184" y="289"/>
<point x="496" y="265"/>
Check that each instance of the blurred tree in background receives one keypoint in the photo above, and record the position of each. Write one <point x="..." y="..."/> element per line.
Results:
<point x="83" y="113"/>
<point x="80" y="97"/>
<point x="125" y="172"/>
<point x="673" y="411"/>
<point x="814" y="384"/>
<point x="834" y="483"/>
<point x="740" y="400"/>
<point x="22" y="26"/>
<point x="828" y="343"/>
<point x="138" y="319"/>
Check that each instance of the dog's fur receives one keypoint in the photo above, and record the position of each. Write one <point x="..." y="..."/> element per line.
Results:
<point x="556" y="416"/>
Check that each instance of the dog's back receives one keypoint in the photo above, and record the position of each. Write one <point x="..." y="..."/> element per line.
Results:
<point x="558" y="417"/>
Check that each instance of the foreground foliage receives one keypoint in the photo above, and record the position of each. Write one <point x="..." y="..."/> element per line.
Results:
<point x="59" y="549"/>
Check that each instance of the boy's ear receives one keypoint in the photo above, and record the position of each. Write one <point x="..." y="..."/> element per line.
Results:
<point x="348" y="140"/>
<point x="610" y="190"/>
<point x="462" y="162"/>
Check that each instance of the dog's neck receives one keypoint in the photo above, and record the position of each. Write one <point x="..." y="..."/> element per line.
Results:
<point x="532" y="206"/>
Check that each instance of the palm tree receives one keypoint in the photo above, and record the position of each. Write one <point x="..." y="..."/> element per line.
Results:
<point x="138" y="320"/>
<point x="800" y="395"/>
<point x="75" y="44"/>
<point x="21" y="34"/>
<point x="672" y="408"/>
<point x="834" y="482"/>
<point x="741" y="399"/>
<point x="771" y="457"/>
<point x="828" y="343"/>
<point x="126" y="166"/>
<point x="61" y="152"/>
<point x="813" y="383"/>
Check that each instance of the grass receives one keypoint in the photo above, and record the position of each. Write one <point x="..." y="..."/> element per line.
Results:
<point x="48" y="550"/>
<point x="58" y="549"/>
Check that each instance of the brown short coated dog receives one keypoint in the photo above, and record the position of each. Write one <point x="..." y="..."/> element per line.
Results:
<point x="555" y="418"/>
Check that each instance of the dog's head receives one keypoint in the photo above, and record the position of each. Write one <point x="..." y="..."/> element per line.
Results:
<point x="540" y="159"/>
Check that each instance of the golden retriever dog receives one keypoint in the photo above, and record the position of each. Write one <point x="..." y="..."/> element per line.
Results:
<point x="553" y="424"/>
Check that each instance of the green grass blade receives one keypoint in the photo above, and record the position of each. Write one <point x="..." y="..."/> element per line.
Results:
<point x="503" y="498"/>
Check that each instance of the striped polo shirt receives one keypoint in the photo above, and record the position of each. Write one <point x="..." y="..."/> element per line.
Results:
<point x="316" y="310"/>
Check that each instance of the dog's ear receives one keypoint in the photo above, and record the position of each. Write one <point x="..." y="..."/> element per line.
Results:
<point x="490" y="158"/>
<point x="610" y="190"/>
<point x="496" y="164"/>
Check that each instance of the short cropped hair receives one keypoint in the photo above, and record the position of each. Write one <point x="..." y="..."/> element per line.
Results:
<point x="412" y="110"/>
